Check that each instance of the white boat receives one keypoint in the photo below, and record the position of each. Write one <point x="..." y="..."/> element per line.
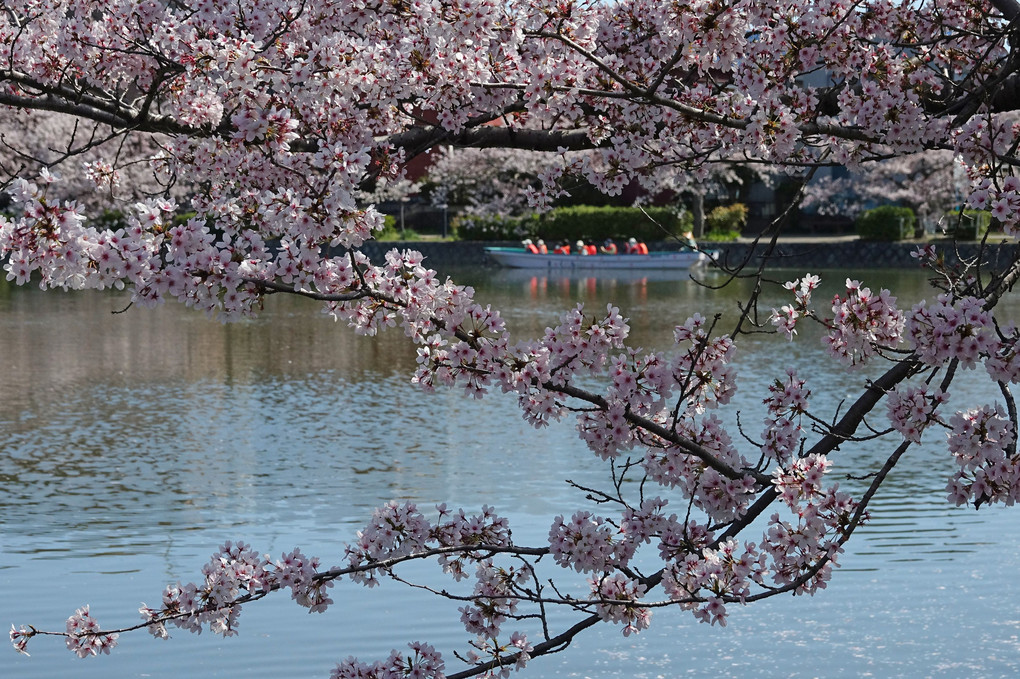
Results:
<point x="519" y="258"/>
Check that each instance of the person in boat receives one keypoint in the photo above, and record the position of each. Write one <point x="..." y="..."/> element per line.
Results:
<point x="542" y="249"/>
<point x="636" y="248"/>
<point x="608" y="247"/>
<point x="590" y="248"/>
<point x="562" y="249"/>
<point x="688" y="240"/>
<point x="580" y="248"/>
<point x="530" y="247"/>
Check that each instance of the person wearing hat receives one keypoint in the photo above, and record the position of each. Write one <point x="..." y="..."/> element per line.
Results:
<point x="542" y="249"/>
<point x="529" y="247"/>
<point x="608" y="247"/>
<point x="579" y="246"/>
<point x="636" y="248"/>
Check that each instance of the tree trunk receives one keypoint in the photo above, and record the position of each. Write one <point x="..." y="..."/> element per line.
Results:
<point x="698" y="212"/>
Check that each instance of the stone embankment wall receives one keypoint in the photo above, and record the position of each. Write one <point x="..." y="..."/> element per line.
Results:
<point x="804" y="255"/>
<point x="859" y="254"/>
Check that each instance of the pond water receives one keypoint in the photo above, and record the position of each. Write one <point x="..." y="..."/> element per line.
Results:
<point x="134" y="444"/>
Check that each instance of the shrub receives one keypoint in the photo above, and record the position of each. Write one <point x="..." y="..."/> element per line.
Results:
<point x="972" y="225"/>
<point x="887" y="222"/>
<point x="726" y="219"/>
<point x="390" y="232"/>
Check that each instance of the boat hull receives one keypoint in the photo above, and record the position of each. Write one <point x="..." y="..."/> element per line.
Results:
<point x="518" y="258"/>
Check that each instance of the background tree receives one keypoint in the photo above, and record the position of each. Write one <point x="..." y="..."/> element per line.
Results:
<point x="931" y="183"/>
<point x="279" y="113"/>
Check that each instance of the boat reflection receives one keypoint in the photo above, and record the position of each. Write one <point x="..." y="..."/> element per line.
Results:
<point x="582" y="286"/>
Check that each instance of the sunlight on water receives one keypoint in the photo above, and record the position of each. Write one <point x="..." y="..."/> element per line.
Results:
<point x="134" y="444"/>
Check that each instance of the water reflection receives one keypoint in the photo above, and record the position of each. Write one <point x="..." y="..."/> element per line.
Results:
<point x="135" y="443"/>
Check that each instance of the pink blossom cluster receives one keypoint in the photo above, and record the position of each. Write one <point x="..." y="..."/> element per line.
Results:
<point x="493" y="599"/>
<point x="83" y="635"/>
<point x="787" y="403"/>
<point x="911" y="409"/>
<point x="588" y="543"/>
<point x="1003" y="364"/>
<point x="702" y="367"/>
<point x="297" y="571"/>
<point x="702" y="580"/>
<point x="399" y="530"/>
<point x="456" y="528"/>
<point x="786" y="317"/>
<point x="863" y="323"/>
<point x="952" y="329"/>
<point x="19" y="638"/>
<point x="52" y="239"/>
<point x="619" y="588"/>
<point x="424" y="662"/>
<point x="984" y="444"/>
<point x="802" y="480"/>
<point x="518" y="646"/>
<point x="822" y="518"/>
<point x="235" y="569"/>
<point x="722" y="497"/>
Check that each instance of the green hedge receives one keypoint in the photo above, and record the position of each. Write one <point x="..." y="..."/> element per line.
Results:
<point x="494" y="227"/>
<point x="585" y="222"/>
<point x="598" y="223"/>
<point x="887" y="222"/>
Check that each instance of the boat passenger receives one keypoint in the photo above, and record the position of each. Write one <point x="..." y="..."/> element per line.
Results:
<point x="590" y="249"/>
<point x="542" y="249"/>
<point x="636" y="248"/>
<point x="688" y="239"/>
<point x="529" y="247"/>
<point x="580" y="248"/>
<point x="608" y="247"/>
<point x="562" y="249"/>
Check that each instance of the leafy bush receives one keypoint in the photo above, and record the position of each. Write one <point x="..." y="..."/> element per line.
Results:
<point x="973" y="225"/>
<point x="726" y="219"/>
<point x="390" y="231"/>
<point x="887" y="222"/>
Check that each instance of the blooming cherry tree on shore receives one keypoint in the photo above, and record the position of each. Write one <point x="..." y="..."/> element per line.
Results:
<point x="278" y="113"/>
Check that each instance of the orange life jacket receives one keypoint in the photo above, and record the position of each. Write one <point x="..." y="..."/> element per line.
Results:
<point x="530" y="247"/>
<point x="642" y="249"/>
<point x="591" y="249"/>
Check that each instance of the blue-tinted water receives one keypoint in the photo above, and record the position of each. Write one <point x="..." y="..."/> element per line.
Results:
<point x="134" y="444"/>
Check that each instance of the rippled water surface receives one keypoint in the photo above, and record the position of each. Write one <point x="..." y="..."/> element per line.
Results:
<point x="132" y="445"/>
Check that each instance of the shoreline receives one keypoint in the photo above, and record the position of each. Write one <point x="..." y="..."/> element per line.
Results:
<point x="801" y="252"/>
